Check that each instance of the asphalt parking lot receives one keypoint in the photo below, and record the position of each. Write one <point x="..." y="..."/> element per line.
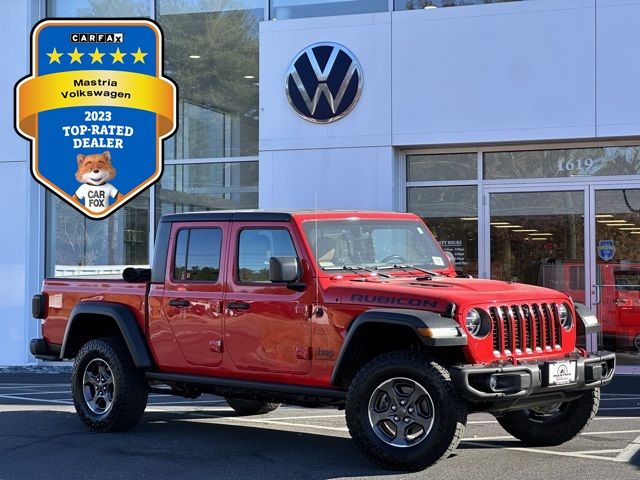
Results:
<point x="41" y="438"/>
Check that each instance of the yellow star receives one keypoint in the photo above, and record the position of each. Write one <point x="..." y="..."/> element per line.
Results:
<point x="138" y="56"/>
<point x="96" y="56"/>
<point x="75" y="56"/>
<point x="54" y="56"/>
<point x="118" y="56"/>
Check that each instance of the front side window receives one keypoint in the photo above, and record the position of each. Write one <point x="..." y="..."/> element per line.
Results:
<point x="256" y="246"/>
<point x="371" y="244"/>
<point x="197" y="255"/>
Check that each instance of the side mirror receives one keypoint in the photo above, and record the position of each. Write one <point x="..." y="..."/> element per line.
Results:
<point x="451" y="257"/>
<point x="283" y="269"/>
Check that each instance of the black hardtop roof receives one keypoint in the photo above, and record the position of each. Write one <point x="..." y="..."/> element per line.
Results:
<point x="230" y="215"/>
<point x="243" y="215"/>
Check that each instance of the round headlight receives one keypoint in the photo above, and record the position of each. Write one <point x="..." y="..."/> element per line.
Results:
<point x="474" y="322"/>
<point x="565" y="316"/>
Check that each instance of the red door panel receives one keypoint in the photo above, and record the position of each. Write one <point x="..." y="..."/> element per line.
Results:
<point x="267" y="326"/>
<point x="194" y="290"/>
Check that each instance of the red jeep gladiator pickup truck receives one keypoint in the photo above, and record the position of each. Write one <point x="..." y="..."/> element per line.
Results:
<point x="358" y="310"/>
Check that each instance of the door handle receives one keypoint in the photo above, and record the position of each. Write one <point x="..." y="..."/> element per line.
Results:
<point x="179" y="302"/>
<point x="596" y="293"/>
<point x="238" y="306"/>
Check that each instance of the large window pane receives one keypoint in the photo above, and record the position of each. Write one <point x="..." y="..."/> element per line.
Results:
<point x="211" y="52"/>
<point x="75" y="245"/>
<point x="617" y="245"/>
<point x="284" y="9"/>
<point x="538" y="238"/>
<point x="210" y="186"/>
<point x="449" y="166"/>
<point x="99" y="8"/>
<point x="425" y="4"/>
<point x="573" y="162"/>
<point x="78" y="246"/>
<point x="452" y="215"/>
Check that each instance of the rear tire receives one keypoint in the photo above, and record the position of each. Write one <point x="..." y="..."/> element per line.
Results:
<point x="251" y="407"/>
<point x="403" y="412"/>
<point x="554" y="425"/>
<point x="109" y="392"/>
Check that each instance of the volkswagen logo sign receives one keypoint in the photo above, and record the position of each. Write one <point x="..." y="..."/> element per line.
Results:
<point x="324" y="82"/>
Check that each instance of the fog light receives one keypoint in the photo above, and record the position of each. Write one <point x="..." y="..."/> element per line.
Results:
<point x="493" y="383"/>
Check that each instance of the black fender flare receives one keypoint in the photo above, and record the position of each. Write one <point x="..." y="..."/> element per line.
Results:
<point x="402" y="317"/>
<point x="124" y="318"/>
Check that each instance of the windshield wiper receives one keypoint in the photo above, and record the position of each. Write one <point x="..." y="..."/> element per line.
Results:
<point x="356" y="269"/>
<point x="408" y="267"/>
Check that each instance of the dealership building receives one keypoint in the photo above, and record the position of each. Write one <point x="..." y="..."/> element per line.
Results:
<point x="511" y="127"/>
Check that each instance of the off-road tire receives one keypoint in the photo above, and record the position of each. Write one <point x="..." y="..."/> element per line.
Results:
<point x="536" y="430"/>
<point x="449" y="411"/>
<point x="130" y="389"/>
<point x="251" y="407"/>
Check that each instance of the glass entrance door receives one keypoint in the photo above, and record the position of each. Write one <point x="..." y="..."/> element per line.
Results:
<point x="539" y="238"/>
<point x="615" y="293"/>
<point x="583" y="241"/>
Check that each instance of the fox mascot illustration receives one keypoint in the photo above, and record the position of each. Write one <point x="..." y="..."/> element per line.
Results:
<point x="94" y="173"/>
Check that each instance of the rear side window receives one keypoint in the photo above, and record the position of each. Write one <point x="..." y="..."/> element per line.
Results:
<point x="197" y="255"/>
<point x="256" y="246"/>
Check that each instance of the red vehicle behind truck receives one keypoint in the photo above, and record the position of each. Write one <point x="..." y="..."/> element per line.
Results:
<point x="357" y="310"/>
<point x="617" y="294"/>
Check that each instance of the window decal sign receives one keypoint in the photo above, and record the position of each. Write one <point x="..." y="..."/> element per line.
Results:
<point x="606" y="249"/>
<point x="96" y="108"/>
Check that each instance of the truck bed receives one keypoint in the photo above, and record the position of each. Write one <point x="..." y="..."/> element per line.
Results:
<point x="64" y="294"/>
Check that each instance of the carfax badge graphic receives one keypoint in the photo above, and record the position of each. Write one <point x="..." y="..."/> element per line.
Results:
<point x="96" y="108"/>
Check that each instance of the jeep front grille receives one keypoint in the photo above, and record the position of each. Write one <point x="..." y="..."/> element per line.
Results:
<point x="525" y="329"/>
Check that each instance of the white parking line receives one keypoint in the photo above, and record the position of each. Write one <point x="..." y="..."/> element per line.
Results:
<point x="277" y="419"/>
<point x="545" y="452"/>
<point x="285" y="424"/>
<point x="509" y="437"/>
<point x="605" y="409"/>
<point x="629" y="452"/>
<point x="33" y="385"/>
<point x="39" y="393"/>
<point x="617" y="418"/>
<point x="189" y="410"/>
<point x="187" y="402"/>
<point x="614" y="450"/>
<point x="15" y="397"/>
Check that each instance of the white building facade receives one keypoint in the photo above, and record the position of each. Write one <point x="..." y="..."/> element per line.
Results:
<point x="512" y="127"/>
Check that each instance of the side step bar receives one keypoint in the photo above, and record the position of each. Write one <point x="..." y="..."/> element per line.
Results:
<point x="217" y="384"/>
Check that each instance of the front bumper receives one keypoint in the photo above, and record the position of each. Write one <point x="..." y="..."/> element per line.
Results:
<point x="524" y="384"/>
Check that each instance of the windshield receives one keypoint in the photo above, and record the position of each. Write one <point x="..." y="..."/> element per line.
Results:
<point x="371" y="244"/>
